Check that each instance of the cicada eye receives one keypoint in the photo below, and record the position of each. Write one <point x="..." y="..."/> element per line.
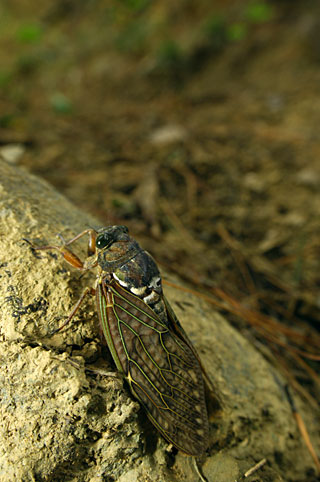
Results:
<point x="102" y="241"/>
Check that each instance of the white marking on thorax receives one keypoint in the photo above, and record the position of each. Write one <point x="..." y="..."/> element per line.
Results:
<point x="122" y="283"/>
<point x="138" y="291"/>
<point x="155" y="282"/>
<point x="151" y="298"/>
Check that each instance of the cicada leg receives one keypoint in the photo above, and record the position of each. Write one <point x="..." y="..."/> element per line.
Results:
<point x="72" y="259"/>
<point x="69" y="256"/>
<point x="91" y="243"/>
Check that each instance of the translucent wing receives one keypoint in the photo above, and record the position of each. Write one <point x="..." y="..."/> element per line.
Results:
<point x="162" y="370"/>
<point x="176" y="327"/>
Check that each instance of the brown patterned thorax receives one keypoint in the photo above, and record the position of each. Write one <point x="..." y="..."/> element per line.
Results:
<point x="120" y="256"/>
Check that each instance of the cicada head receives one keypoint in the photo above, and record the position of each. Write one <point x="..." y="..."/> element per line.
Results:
<point x="115" y="247"/>
<point x="112" y="234"/>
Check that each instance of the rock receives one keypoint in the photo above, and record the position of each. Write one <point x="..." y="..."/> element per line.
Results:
<point x="168" y="134"/>
<point x="61" y="421"/>
<point x="12" y="152"/>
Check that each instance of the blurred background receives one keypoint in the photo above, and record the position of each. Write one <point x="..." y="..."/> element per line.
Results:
<point x="197" y="125"/>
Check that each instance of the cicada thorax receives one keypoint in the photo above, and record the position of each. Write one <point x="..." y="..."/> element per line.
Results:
<point x="135" y="270"/>
<point x="158" y="362"/>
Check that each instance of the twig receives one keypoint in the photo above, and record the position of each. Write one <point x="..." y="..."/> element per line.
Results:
<point x="302" y="428"/>
<point x="255" y="468"/>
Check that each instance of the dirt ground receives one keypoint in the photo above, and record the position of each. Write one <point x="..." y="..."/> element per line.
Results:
<point x="195" y="124"/>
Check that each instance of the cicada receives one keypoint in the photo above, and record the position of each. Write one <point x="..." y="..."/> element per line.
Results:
<point x="147" y="343"/>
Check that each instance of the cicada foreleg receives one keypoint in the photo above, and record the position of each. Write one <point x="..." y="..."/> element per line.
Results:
<point x="91" y="243"/>
<point x="69" y="256"/>
<point x="72" y="259"/>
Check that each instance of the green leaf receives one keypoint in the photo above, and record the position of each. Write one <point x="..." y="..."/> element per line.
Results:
<point x="236" y="32"/>
<point x="30" y="33"/>
<point x="259" y="12"/>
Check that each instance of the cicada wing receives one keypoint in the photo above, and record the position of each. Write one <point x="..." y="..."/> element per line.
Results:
<point x="176" y="327"/>
<point x="160" y="367"/>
